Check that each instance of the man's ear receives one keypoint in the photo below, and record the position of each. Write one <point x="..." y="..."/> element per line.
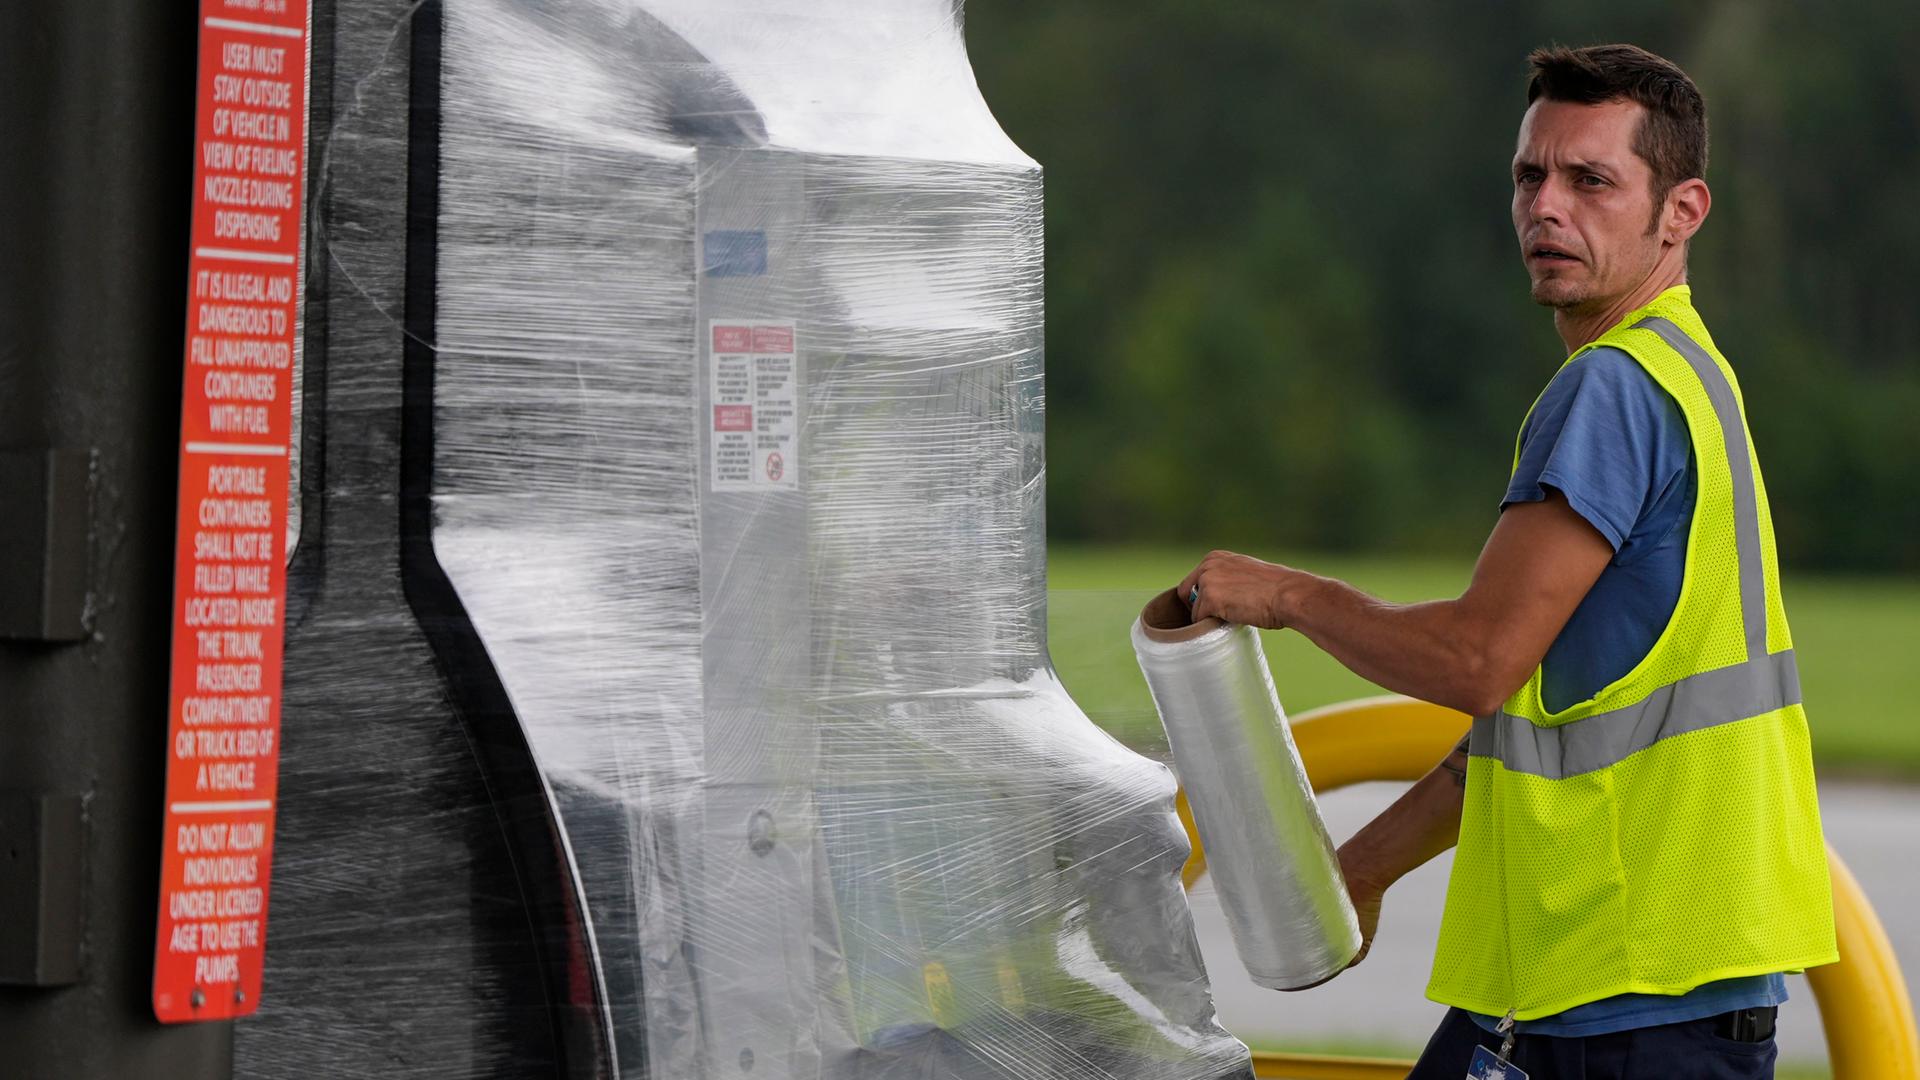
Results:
<point x="1686" y="211"/>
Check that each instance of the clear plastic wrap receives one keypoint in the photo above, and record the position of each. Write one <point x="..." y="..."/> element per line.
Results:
<point x="1280" y="885"/>
<point x="667" y="690"/>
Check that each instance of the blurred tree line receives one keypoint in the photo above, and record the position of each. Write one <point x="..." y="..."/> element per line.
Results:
<point x="1285" y="303"/>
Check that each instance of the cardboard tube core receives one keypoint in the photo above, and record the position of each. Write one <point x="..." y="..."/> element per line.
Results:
<point x="1168" y="620"/>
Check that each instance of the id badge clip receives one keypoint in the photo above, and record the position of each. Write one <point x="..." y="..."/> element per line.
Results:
<point x="1488" y="1065"/>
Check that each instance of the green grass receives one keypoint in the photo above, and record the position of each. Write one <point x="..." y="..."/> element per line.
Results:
<point x="1857" y="641"/>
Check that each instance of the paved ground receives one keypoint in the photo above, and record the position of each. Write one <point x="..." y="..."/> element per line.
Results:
<point x="1875" y="828"/>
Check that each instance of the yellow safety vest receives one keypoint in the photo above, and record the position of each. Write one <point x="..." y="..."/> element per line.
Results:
<point x="1663" y="834"/>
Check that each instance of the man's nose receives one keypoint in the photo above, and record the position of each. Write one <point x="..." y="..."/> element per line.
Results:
<point x="1549" y="202"/>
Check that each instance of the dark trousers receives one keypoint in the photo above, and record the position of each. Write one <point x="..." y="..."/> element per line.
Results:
<point x="1688" y="1051"/>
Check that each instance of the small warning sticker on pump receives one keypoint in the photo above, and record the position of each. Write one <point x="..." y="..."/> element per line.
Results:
<point x="754" y="383"/>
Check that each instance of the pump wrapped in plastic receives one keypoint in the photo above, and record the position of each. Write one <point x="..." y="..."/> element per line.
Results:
<point x="667" y="683"/>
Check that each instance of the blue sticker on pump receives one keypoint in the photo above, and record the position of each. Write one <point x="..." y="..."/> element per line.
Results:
<point x="736" y="253"/>
<point x="1488" y="1066"/>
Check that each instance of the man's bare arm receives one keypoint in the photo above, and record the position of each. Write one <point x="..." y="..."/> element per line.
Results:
<point x="1422" y="823"/>
<point x="1470" y="653"/>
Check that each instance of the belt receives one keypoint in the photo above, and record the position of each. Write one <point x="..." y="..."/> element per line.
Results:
<point x="1747" y="1025"/>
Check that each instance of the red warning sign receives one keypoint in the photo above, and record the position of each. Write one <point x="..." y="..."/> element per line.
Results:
<point x="754" y="382"/>
<point x="236" y="440"/>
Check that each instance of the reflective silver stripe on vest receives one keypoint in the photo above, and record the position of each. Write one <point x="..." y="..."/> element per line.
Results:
<point x="1746" y="506"/>
<point x="1721" y="696"/>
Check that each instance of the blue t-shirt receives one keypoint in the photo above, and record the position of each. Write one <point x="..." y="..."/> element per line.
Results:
<point x="1607" y="437"/>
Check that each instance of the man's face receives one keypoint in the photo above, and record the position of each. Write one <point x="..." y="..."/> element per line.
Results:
<point x="1583" y="203"/>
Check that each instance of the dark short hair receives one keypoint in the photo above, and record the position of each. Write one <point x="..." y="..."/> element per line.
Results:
<point x="1672" y="136"/>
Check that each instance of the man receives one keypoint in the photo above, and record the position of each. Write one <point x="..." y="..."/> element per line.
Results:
<point x="1640" y="855"/>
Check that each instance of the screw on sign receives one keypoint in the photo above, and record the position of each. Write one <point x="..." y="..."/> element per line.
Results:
<point x="776" y="466"/>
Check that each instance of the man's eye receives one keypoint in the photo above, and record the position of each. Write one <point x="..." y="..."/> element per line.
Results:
<point x="1590" y="180"/>
<point x="1527" y="178"/>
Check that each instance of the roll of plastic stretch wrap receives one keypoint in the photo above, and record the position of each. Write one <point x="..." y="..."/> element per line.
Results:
<point x="1272" y="861"/>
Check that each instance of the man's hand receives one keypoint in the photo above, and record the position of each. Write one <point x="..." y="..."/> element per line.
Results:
<point x="1366" y="897"/>
<point x="1239" y="589"/>
<point x="1366" y="904"/>
<point x="1422" y="823"/>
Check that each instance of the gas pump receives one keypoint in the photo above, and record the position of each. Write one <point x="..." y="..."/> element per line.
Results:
<point x="666" y="691"/>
